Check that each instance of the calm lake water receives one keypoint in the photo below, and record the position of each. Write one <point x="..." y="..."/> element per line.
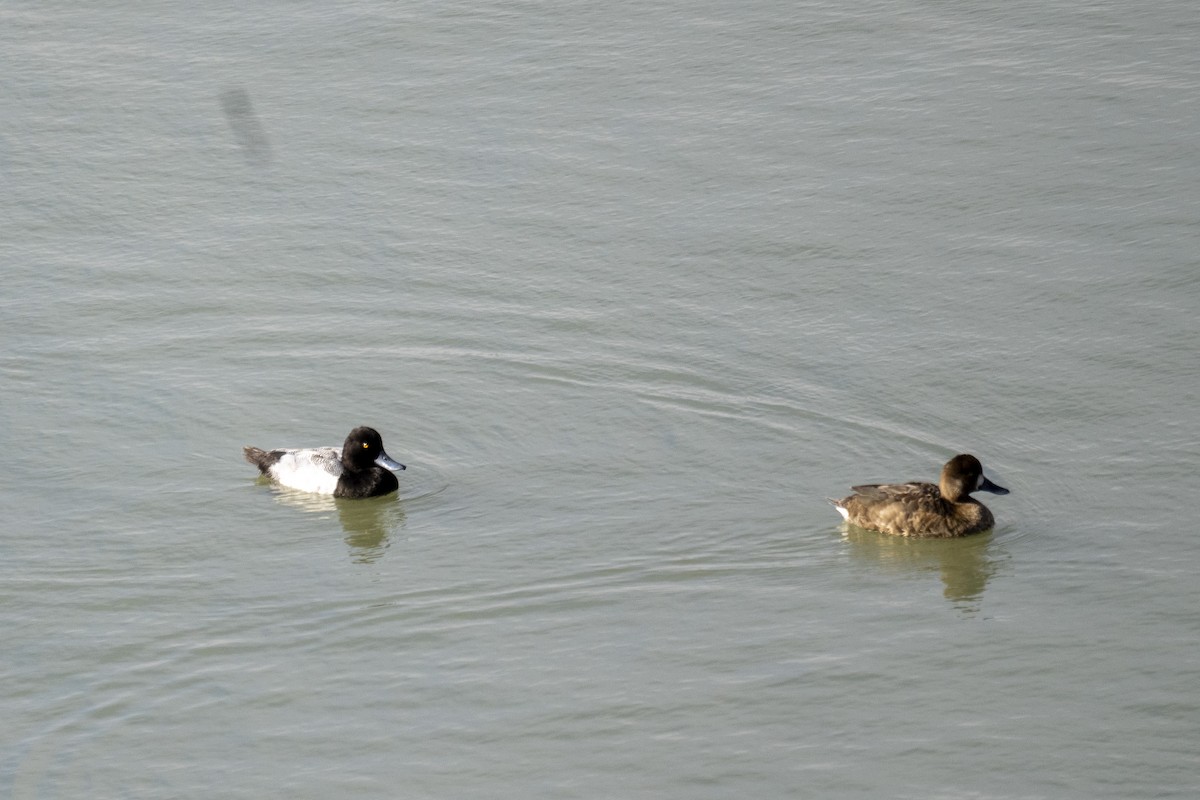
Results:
<point x="631" y="289"/>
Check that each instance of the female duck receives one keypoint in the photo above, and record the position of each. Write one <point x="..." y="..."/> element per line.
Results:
<point x="360" y="469"/>
<point x="922" y="509"/>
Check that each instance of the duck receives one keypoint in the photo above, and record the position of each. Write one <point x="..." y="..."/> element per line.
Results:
<point x="944" y="510"/>
<point x="360" y="468"/>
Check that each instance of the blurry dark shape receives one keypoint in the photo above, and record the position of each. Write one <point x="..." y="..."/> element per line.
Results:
<point x="248" y="131"/>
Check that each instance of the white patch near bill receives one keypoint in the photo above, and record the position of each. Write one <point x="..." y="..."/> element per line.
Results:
<point x="845" y="513"/>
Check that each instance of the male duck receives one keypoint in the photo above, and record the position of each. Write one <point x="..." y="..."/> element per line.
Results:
<point x="922" y="509"/>
<point x="360" y="469"/>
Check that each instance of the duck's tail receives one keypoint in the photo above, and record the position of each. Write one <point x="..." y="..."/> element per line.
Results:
<point x="841" y="509"/>
<point x="260" y="458"/>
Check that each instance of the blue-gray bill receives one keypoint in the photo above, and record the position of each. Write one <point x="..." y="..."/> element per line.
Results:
<point x="387" y="462"/>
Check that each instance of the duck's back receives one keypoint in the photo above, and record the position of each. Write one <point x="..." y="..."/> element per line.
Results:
<point x="314" y="469"/>
<point x="913" y="509"/>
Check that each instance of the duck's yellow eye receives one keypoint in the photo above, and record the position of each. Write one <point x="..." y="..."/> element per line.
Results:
<point x="365" y="445"/>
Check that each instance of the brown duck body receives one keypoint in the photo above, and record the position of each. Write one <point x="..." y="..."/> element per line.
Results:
<point x="945" y="510"/>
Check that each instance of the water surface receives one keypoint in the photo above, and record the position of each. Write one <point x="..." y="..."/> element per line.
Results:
<point x="630" y="290"/>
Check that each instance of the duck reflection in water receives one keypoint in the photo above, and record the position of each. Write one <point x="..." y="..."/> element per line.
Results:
<point x="965" y="564"/>
<point x="366" y="523"/>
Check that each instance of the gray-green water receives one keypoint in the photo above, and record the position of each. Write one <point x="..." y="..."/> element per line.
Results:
<point x="630" y="289"/>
